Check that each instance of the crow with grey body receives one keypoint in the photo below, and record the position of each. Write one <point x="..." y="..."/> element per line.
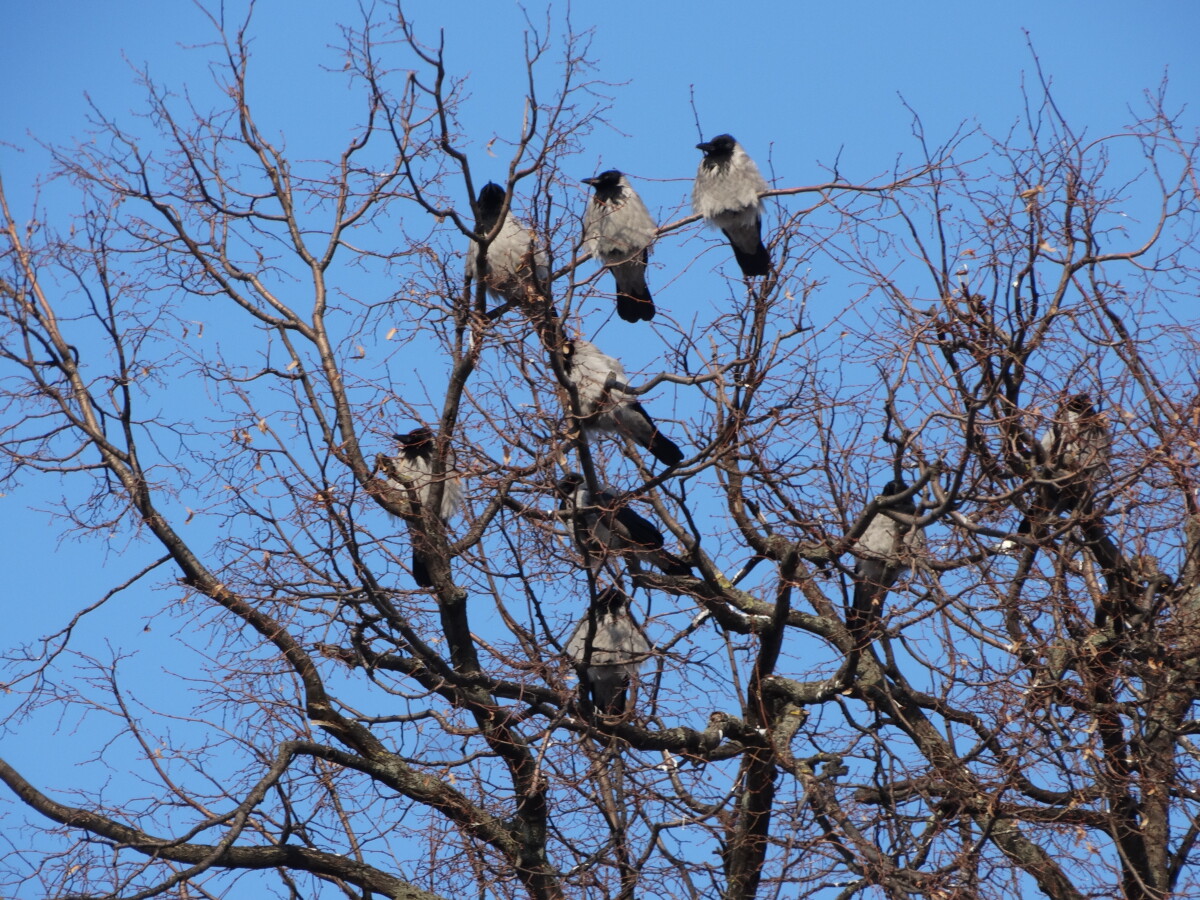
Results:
<point x="599" y="380"/>
<point x="1072" y="457"/>
<point x="603" y="527"/>
<point x="726" y="194"/>
<point x="882" y="555"/>
<point x="409" y="474"/>
<point x="516" y="268"/>
<point x="618" y="232"/>
<point x="1076" y="449"/>
<point x="610" y="643"/>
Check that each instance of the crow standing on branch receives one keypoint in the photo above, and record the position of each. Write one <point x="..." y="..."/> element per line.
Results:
<point x="882" y="555"/>
<point x="600" y="382"/>
<point x="603" y="525"/>
<point x="516" y="269"/>
<point x="1076" y="452"/>
<point x="726" y="194"/>
<point x="610" y="643"/>
<point x="1072" y="458"/>
<point x="618" y="232"/>
<point x="409" y="476"/>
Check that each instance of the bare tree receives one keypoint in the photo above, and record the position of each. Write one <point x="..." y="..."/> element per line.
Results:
<point x="1007" y="707"/>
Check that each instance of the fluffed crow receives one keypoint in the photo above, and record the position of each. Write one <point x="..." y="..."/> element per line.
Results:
<point x="1071" y="458"/>
<point x="618" y="232"/>
<point x="610" y="643"/>
<point x="517" y="268"/>
<point x="882" y="556"/>
<point x="726" y="194"/>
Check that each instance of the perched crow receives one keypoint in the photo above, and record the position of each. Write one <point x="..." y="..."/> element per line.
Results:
<point x="882" y="555"/>
<point x="1072" y="458"/>
<point x="726" y="194"/>
<point x="599" y="380"/>
<point x="1075" y="450"/>
<point x="412" y="471"/>
<point x="603" y="526"/>
<point x="610" y="643"/>
<point x="517" y="267"/>
<point x="618" y="232"/>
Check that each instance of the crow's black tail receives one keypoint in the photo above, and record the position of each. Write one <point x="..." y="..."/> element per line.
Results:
<point x="755" y="263"/>
<point x="420" y="571"/>
<point x="671" y="564"/>
<point x="635" y="309"/>
<point x="636" y="422"/>
<point x="665" y="450"/>
<point x="610" y="692"/>
<point x="749" y="251"/>
<point x="634" y="303"/>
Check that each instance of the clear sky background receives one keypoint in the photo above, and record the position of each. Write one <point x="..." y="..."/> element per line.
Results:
<point x="802" y="79"/>
<point x="797" y="83"/>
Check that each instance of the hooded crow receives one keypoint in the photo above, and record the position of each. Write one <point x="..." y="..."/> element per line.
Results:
<point x="1075" y="450"/>
<point x="516" y="269"/>
<point x="411" y="472"/>
<point x="1072" y="457"/>
<point x="603" y="526"/>
<point x="618" y="232"/>
<point x="610" y="643"/>
<point x="726" y="194"/>
<point x="599" y="380"/>
<point x="882" y="555"/>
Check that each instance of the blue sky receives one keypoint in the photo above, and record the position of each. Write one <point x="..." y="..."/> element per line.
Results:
<point x="797" y="83"/>
<point x="804" y="78"/>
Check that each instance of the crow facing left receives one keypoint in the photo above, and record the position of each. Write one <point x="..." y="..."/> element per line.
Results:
<point x="409" y="474"/>
<point x="618" y="232"/>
